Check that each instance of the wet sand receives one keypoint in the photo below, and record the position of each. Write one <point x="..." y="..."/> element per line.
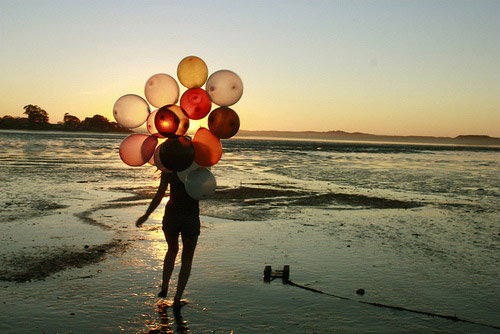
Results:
<point x="329" y="240"/>
<point x="245" y="203"/>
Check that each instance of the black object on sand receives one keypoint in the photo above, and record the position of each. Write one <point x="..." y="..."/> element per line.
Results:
<point x="284" y="274"/>
<point x="270" y="275"/>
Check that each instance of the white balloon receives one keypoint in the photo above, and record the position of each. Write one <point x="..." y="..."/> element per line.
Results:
<point x="200" y="183"/>
<point x="161" y="89"/>
<point x="224" y="88"/>
<point x="131" y="111"/>
<point x="184" y="173"/>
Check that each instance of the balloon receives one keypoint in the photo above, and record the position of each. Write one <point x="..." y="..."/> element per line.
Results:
<point x="161" y="89"/>
<point x="150" y="125"/>
<point x="183" y="119"/>
<point x="137" y="149"/>
<point x="224" y="122"/>
<point x="200" y="183"/>
<point x="196" y="103"/>
<point x="183" y="174"/>
<point x="224" y="88"/>
<point x="131" y="111"/>
<point x="192" y="72"/>
<point x="157" y="161"/>
<point x="207" y="148"/>
<point x="166" y="122"/>
<point x="176" y="154"/>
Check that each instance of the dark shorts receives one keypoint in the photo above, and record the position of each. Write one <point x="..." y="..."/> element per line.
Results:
<point x="187" y="226"/>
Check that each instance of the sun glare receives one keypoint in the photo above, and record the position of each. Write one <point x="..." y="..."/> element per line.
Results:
<point x="194" y="125"/>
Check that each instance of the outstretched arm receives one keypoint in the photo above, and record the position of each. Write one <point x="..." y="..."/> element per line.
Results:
<point x="162" y="188"/>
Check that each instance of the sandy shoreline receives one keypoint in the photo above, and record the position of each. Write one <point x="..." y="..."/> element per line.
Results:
<point x="263" y="225"/>
<point x="44" y="256"/>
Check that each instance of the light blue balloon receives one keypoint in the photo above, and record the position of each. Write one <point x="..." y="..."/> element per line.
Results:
<point x="200" y="183"/>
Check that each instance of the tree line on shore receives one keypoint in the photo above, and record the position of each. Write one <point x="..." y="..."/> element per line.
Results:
<point x="38" y="119"/>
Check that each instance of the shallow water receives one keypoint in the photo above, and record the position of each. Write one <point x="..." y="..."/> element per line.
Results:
<point x="439" y="257"/>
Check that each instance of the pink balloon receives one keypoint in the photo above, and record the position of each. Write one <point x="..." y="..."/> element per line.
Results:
<point x="150" y="124"/>
<point x="137" y="149"/>
<point x="196" y="103"/>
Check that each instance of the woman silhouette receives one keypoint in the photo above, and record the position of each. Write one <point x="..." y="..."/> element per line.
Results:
<point x="181" y="217"/>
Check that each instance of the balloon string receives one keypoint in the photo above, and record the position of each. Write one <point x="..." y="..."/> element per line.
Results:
<point x="399" y="308"/>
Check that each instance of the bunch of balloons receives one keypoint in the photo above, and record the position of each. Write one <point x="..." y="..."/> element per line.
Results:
<point x="167" y="147"/>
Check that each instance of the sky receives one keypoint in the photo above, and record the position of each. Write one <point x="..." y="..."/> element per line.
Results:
<point x="388" y="67"/>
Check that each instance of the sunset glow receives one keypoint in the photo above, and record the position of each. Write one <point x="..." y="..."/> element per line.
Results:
<point x="383" y="67"/>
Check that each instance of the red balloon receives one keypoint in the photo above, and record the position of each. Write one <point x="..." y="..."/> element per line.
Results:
<point x="207" y="148"/>
<point x="166" y="122"/>
<point x="196" y="103"/>
<point x="137" y="149"/>
<point x="224" y="122"/>
<point x="176" y="154"/>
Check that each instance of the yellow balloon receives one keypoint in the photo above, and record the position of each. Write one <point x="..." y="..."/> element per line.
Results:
<point x="192" y="72"/>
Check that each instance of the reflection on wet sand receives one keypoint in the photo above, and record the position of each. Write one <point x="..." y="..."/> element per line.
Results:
<point x="166" y="325"/>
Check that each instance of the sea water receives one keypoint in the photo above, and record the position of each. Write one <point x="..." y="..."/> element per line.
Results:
<point x="441" y="256"/>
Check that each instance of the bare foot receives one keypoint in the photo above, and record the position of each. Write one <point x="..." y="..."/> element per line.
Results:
<point x="162" y="293"/>
<point x="178" y="303"/>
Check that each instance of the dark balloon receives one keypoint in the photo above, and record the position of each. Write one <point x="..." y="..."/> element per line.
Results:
<point x="157" y="161"/>
<point x="176" y="154"/>
<point x="224" y="122"/>
<point x="196" y="103"/>
<point x="166" y="122"/>
<point x="183" y="119"/>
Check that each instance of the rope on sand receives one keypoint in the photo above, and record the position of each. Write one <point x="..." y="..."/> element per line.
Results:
<point x="399" y="308"/>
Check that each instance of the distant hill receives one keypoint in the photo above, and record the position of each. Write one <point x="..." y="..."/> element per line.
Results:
<point x="358" y="136"/>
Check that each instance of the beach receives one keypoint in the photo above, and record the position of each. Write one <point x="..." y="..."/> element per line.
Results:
<point x="328" y="211"/>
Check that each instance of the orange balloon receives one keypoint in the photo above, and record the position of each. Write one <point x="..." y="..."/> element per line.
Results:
<point x="207" y="148"/>
<point x="166" y="122"/>
<point x="183" y="119"/>
<point x="224" y="122"/>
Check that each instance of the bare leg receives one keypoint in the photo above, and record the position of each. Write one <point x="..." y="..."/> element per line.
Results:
<point x="169" y="262"/>
<point x="188" y="248"/>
